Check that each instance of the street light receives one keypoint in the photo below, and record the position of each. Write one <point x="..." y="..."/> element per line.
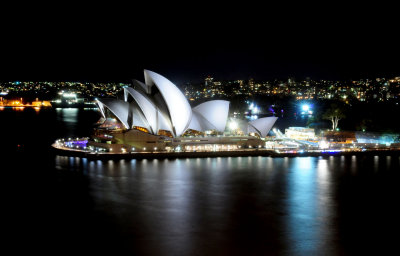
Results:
<point x="305" y="107"/>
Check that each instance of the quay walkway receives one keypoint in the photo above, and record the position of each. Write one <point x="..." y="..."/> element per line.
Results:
<point x="59" y="150"/>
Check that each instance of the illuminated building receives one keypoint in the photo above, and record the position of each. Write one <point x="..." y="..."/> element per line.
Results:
<point x="39" y="103"/>
<point x="155" y="115"/>
<point x="339" y="136"/>
<point x="300" y="133"/>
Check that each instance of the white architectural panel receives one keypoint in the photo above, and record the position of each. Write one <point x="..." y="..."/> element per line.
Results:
<point x="199" y="123"/>
<point x="101" y="107"/>
<point x="179" y="109"/>
<point x="160" y="105"/>
<point x="163" y="123"/>
<point x="252" y="129"/>
<point x="138" y="119"/>
<point x="215" y="112"/>
<point x="147" y="107"/>
<point x="141" y="86"/>
<point x="195" y="123"/>
<point x="262" y="126"/>
<point x="118" y="107"/>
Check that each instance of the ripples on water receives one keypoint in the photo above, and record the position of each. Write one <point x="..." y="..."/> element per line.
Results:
<point x="208" y="206"/>
<point x="242" y="205"/>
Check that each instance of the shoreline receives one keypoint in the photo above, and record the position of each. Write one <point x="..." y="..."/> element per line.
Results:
<point x="214" y="154"/>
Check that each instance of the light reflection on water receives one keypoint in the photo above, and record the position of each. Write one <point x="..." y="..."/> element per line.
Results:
<point x="270" y="204"/>
<point x="302" y="205"/>
<point x="203" y="206"/>
<point x="68" y="115"/>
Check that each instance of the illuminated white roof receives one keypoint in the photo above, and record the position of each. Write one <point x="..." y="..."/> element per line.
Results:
<point x="195" y="123"/>
<point x="118" y="107"/>
<point x="155" y="119"/>
<point x="159" y="105"/>
<point x="199" y="123"/>
<point x="262" y="126"/>
<point x="146" y="106"/>
<point x="141" y="86"/>
<point x="215" y="112"/>
<point x="138" y="119"/>
<point x="179" y="109"/>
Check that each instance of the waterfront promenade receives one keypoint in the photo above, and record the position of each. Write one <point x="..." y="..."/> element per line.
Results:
<point x="61" y="150"/>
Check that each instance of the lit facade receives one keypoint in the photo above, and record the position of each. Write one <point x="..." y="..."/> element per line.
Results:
<point x="153" y="116"/>
<point x="300" y="133"/>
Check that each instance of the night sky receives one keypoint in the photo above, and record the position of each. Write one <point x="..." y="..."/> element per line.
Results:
<point x="185" y="46"/>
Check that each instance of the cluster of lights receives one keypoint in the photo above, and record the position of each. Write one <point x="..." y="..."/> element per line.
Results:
<point x="306" y="109"/>
<point x="254" y="109"/>
<point x="69" y="95"/>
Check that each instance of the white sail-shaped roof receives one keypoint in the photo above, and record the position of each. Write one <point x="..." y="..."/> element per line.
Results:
<point x="139" y="86"/>
<point x="138" y="119"/>
<point x="155" y="119"/>
<point x="118" y="107"/>
<point x="146" y="106"/>
<point x="179" y="109"/>
<point x="199" y="123"/>
<point x="162" y="123"/>
<point x="262" y="126"/>
<point x="159" y="105"/>
<point x="195" y="123"/>
<point x="101" y="107"/>
<point x="215" y="112"/>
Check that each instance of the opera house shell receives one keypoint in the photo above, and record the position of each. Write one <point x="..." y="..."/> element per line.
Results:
<point x="157" y="106"/>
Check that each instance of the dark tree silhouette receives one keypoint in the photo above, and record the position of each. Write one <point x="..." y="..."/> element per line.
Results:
<point x="334" y="113"/>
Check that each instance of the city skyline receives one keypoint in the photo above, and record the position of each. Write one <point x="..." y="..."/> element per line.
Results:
<point x="379" y="89"/>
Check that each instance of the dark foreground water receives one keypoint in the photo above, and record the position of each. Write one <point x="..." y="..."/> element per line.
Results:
<point x="214" y="206"/>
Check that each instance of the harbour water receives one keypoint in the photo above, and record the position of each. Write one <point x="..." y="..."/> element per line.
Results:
<point x="343" y="205"/>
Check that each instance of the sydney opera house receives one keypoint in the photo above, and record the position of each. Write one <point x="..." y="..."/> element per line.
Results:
<point x="156" y="116"/>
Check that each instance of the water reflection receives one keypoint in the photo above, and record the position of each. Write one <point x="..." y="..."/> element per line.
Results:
<point x="68" y="115"/>
<point x="353" y="165"/>
<point x="309" y="206"/>
<point x="302" y="205"/>
<point x="224" y="206"/>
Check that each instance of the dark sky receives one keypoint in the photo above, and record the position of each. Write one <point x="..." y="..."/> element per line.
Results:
<point x="116" y="44"/>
